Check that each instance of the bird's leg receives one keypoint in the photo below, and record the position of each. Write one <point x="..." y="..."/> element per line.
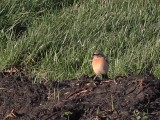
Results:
<point x="101" y="77"/>
<point x="95" y="77"/>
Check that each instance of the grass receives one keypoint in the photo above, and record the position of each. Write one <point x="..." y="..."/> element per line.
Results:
<point x="140" y="115"/>
<point x="55" y="40"/>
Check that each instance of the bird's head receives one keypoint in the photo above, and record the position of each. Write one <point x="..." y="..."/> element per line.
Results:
<point x="98" y="53"/>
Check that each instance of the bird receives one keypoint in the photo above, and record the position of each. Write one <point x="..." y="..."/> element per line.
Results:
<point x="100" y="64"/>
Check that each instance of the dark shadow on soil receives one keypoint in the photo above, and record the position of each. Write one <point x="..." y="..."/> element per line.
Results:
<point x="122" y="98"/>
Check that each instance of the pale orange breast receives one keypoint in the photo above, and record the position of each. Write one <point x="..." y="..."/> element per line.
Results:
<point x="99" y="65"/>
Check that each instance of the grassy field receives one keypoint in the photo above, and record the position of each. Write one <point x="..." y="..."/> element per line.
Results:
<point x="55" y="40"/>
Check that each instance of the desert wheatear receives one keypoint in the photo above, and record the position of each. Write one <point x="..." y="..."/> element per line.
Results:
<point x="100" y="64"/>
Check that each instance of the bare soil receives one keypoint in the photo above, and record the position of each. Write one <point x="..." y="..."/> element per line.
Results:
<point x="122" y="98"/>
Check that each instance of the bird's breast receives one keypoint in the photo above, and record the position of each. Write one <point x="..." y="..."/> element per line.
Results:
<point x="99" y="65"/>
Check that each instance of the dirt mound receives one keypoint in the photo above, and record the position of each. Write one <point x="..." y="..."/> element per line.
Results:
<point x="122" y="98"/>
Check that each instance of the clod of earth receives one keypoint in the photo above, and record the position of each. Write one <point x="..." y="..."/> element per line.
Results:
<point x="123" y="98"/>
